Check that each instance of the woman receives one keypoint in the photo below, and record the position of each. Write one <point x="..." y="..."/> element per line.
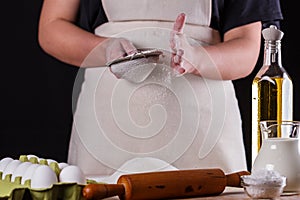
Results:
<point x="187" y="121"/>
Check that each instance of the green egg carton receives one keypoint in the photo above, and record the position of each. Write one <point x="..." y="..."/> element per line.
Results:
<point x="58" y="191"/>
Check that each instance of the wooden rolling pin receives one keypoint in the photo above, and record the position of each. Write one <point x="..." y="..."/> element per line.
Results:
<point x="165" y="185"/>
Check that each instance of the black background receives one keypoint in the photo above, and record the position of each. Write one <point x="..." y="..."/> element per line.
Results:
<point x="36" y="89"/>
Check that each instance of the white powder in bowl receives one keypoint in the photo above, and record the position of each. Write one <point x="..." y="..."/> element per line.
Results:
<point x="263" y="184"/>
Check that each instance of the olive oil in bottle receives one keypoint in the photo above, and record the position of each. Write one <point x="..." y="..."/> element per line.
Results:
<point x="272" y="88"/>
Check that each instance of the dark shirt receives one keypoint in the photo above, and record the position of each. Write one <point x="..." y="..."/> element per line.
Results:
<point x="226" y="14"/>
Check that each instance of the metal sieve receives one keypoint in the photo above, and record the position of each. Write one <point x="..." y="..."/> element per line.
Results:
<point x="136" y="67"/>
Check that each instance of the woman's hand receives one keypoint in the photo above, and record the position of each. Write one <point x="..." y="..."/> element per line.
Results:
<point x="182" y="59"/>
<point x="117" y="48"/>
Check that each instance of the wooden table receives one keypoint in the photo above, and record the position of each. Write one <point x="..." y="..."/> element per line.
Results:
<point x="239" y="194"/>
<point x="231" y="193"/>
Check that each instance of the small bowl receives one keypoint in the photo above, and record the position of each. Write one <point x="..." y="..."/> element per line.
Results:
<point x="263" y="188"/>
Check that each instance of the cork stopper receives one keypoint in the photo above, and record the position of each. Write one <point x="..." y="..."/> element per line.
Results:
<point x="272" y="33"/>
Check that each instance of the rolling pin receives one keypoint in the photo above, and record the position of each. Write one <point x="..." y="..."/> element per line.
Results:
<point x="165" y="185"/>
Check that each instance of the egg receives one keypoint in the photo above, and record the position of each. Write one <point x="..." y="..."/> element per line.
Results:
<point x="62" y="165"/>
<point x="72" y="174"/>
<point x="20" y="170"/>
<point x="10" y="168"/>
<point x="43" y="177"/>
<point x="28" y="173"/>
<point x="4" y="162"/>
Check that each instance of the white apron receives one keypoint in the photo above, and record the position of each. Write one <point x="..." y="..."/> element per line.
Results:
<point x="188" y="121"/>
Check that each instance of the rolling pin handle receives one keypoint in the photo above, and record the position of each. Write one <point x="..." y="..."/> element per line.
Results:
<point x="234" y="179"/>
<point x="101" y="191"/>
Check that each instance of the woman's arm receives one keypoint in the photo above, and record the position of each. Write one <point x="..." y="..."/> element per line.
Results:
<point x="60" y="37"/>
<point x="236" y="57"/>
<point x="232" y="59"/>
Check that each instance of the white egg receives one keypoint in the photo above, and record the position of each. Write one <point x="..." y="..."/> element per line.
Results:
<point x="4" y="162"/>
<point x="10" y="168"/>
<point x="62" y="165"/>
<point x="20" y="170"/>
<point x="43" y="177"/>
<point x="72" y="174"/>
<point x="29" y="172"/>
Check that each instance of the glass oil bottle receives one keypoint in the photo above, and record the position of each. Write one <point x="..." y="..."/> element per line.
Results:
<point x="272" y="88"/>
